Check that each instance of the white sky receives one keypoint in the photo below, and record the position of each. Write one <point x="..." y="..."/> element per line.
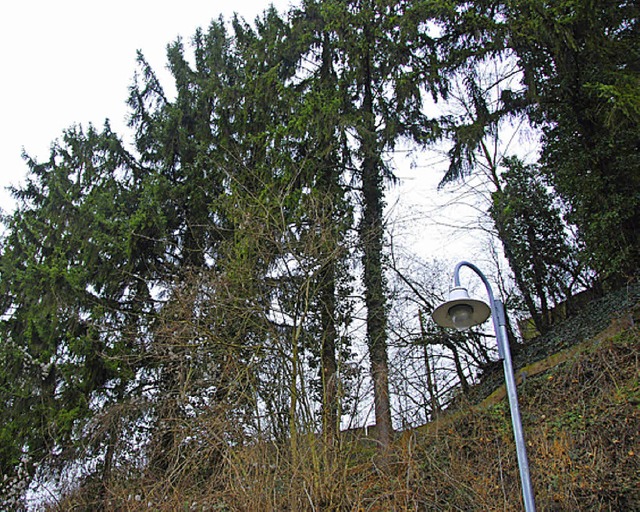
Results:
<point x="70" y="62"/>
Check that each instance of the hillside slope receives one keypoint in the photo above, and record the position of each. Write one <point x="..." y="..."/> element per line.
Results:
<point x="581" y="414"/>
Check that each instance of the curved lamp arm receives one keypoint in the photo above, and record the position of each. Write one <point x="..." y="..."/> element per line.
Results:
<point x="498" y="315"/>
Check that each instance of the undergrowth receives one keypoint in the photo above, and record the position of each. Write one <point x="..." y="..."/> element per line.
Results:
<point x="581" y="421"/>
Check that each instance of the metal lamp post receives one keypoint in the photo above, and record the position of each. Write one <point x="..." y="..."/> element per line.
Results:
<point x="462" y="312"/>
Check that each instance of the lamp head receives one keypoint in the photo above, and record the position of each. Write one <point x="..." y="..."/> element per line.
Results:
<point x="461" y="311"/>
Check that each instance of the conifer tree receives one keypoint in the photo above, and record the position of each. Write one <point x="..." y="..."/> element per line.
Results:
<point x="325" y="169"/>
<point x="76" y="300"/>
<point x="535" y="239"/>
<point x="375" y="44"/>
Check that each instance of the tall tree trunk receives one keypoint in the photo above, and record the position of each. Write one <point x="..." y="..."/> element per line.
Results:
<point x="328" y="184"/>
<point x="371" y="237"/>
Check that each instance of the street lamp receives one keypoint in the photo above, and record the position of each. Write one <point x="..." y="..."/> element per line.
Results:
<point x="462" y="312"/>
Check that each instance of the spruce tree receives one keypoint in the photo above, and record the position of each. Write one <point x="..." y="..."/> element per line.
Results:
<point x="75" y="301"/>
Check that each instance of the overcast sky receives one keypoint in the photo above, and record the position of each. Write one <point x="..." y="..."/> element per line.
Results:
<point x="70" y="62"/>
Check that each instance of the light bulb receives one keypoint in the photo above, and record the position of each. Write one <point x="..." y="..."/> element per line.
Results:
<point x="461" y="316"/>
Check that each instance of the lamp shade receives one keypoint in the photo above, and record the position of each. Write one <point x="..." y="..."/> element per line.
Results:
<point x="461" y="311"/>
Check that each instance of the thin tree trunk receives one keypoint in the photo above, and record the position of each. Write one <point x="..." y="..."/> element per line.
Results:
<point x="431" y="386"/>
<point x="328" y="356"/>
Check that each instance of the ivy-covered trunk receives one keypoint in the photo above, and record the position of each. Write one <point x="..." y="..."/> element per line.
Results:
<point x="371" y="239"/>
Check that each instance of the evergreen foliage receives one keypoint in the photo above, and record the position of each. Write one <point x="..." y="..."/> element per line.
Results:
<point x="75" y="306"/>
<point x="535" y="240"/>
<point x="578" y="64"/>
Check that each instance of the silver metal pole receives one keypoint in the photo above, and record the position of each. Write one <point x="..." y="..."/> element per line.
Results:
<point x="512" y="393"/>
<point x="500" y="325"/>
